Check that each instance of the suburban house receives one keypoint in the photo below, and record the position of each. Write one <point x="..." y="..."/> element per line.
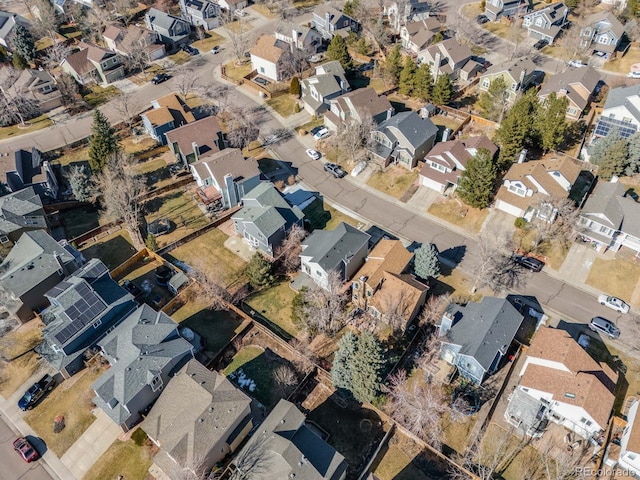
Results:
<point x="355" y="106"/>
<point x="622" y="111"/>
<point x="384" y="288"/>
<point x="546" y="23"/>
<point x="446" y="161"/>
<point x="8" y="22"/>
<point x="449" y="57"/>
<point x="269" y="58"/>
<point x="173" y="31"/>
<point x="93" y="64"/>
<point x="560" y="382"/>
<point x="476" y="336"/>
<point x="35" y="265"/>
<point x="404" y="138"/>
<point x="416" y="36"/>
<point x="232" y="5"/>
<point x="294" y="449"/>
<point x="124" y="41"/>
<point x="199" y="433"/>
<point x="32" y="171"/>
<point x="328" y="82"/>
<point x="84" y="307"/>
<point x="196" y="139"/>
<point x="601" y="34"/>
<point x="225" y="177"/>
<point x="201" y="13"/>
<point x="402" y="12"/>
<point x="529" y="184"/>
<point x="144" y="351"/>
<point x="20" y="212"/>
<point x="342" y="250"/>
<point x="329" y="21"/>
<point x="494" y="9"/>
<point x="301" y="37"/>
<point x="577" y="84"/>
<point x="168" y="112"/>
<point x="518" y="76"/>
<point x="629" y="458"/>
<point x="610" y="218"/>
<point x="265" y="218"/>
<point x="36" y="85"/>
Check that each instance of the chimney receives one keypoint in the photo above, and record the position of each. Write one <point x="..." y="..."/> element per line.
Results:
<point x="445" y="134"/>
<point x="294" y="36"/>
<point x="327" y="21"/>
<point x="445" y="324"/>
<point x="614" y="179"/>
<point x="436" y="63"/>
<point x="196" y="150"/>
<point x="523" y="73"/>
<point x="523" y="156"/>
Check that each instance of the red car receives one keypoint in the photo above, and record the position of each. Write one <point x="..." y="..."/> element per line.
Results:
<point x="25" y="449"/>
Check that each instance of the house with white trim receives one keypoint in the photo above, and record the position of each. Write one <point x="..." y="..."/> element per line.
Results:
<point x="546" y="23"/>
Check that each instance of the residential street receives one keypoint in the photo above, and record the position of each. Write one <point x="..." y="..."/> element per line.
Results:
<point x="13" y="467"/>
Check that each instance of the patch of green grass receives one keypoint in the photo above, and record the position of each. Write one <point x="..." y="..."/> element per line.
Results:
<point x="181" y="210"/>
<point x="32" y="125"/>
<point x="70" y="156"/>
<point x="283" y="104"/>
<point x="122" y="460"/>
<point x="77" y="221"/>
<point x="245" y="355"/>
<point x="70" y="31"/>
<point x="98" y="95"/>
<point x="237" y="72"/>
<point x="113" y="250"/>
<point x="616" y="277"/>
<point x="395" y="181"/>
<point x="275" y="304"/>
<point x="155" y="171"/>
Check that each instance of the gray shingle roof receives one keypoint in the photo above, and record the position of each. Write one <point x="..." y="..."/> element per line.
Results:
<point x="618" y="96"/>
<point x="328" y="248"/>
<point x="22" y="209"/>
<point x="414" y="129"/>
<point x="484" y="328"/>
<point x="620" y="212"/>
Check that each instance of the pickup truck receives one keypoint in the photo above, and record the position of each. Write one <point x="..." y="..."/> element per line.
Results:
<point x="36" y="392"/>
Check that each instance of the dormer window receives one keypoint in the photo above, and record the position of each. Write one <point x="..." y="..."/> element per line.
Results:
<point x="517" y="189"/>
<point x="156" y="383"/>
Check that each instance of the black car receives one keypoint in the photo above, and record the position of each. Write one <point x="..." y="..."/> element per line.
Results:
<point x="159" y="78"/>
<point x="190" y="50"/>
<point x="482" y="19"/>
<point x="315" y="130"/>
<point x="530" y="263"/>
<point x="540" y="44"/>
<point x="335" y="170"/>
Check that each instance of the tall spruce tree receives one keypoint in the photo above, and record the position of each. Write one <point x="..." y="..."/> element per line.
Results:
<point x="366" y="368"/>
<point x="426" y="263"/>
<point x="341" y="368"/>
<point x="611" y="154"/>
<point x="424" y="82"/>
<point x="517" y="128"/>
<point x="408" y="77"/>
<point x="494" y="102"/>
<point x="442" y="90"/>
<point x="477" y="182"/>
<point x="260" y="271"/>
<point x="337" y="50"/>
<point x="551" y="122"/>
<point x="393" y="65"/>
<point x="24" y="44"/>
<point x="104" y="142"/>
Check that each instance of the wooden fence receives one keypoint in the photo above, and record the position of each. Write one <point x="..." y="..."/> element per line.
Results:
<point x="97" y="233"/>
<point x="223" y="74"/>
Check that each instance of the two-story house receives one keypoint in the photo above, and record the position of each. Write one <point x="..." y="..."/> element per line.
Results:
<point x="417" y="36"/>
<point x="494" y="9"/>
<point x="32" y="171"/>
<point x="601" y="33"/>
<point x="341" y="250"/>
<point x="172" y="31"/>
<point x="93" y="64"/>
<point x="168" y="112"/>
<point x="560" y="382"/>
<point x="404" y="139"/>
<point x="629" y="458"/>
<point x="546" y="23"/>
<point x="400" y="13"/>
<point x="355" y="106"/>
<point x="144" y="351"/>
<point x="446" y="161"/>
<point x="578" y="85"/>
<point x="84" y="307"/>
<point x="518" y="76"/>
<point x="196" y="139"/>
<point x="37" y="85"/>
<point x="527" y="185"/>
<point x="265" y="218"/>
<point x="477" y="336"/>
<point x="328" y="82"/>
<point x="225" y="177"/>
<point x="449" y="57"/>
<point x="35" y="265"/>
<point x="383" y="286"/>
<point x="269" y="58"/>
<point x="621" y="111"/>
<point x="301" y="37"/>
<point x="20" y="212"/>
<point x="197" y="434"/>
<point x="201" y="13"/>
<point x="132" y="39"/>
<point x="329" y="21"/>
<point x="610" y="218"/>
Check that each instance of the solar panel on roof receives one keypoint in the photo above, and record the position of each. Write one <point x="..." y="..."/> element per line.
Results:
<point x="95" y="271"/>
<point x="606" y="124"/>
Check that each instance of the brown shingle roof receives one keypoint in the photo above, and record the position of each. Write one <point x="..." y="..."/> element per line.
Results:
<point x="80" y="63"/>
<point x="112" y="32"/>
<point x="171" y="108"/>
<point x="266" y="48"/>
<point x="366" y="100"/>
<point x="227" y="161"/>
<point x="389" y="256"/>
<point x="398" y="287"/>
<point x="203" y="132"/>
<point x="578" y="83"/>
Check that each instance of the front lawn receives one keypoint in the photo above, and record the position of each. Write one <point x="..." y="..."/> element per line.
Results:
<point x="237" y="72"/>
<point x="508" y="32"/>
<point x="17" y="347"/>
<point x="459" y="214"/>
<point x="126" y="460"/>
<point x="337" y="217"/>
<point x="283" y="104"/>
<point x="97" y="95"/>
<point x="113" y="249"/>
<point x="74" y="155"/>
<point x="32" y="125"/>
<point x="275" y="304"/>
<point x="395" y="181"/>
<point x="212" y="39"/>
<point x="615" y="277"/>
<point x="180" y="57"/>
<point x="71" y="399"/>
<point x="554" y="251"/>
<point x="307" y="127"/>
<point x="623" y="65"/>
<point x="182" y="211"/>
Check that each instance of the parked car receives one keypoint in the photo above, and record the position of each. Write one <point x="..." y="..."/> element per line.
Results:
<point x="215" y="50"/>
<point x="577" y="64"/>
<point x="36" y="392"/>
<point x="261" y="81"/>
<point x="25" y="449"/>
<point x="530" y="263"/>
<point x="336" y="170"/>
<point x="613" y="303"/>
<point x="482" y="19"/>
<point x="190" y="50"/>
<point x="322" y="133"/>
<point x="633" y="75"/>
<point x="313" y="154"/>
<point x="540" y="44"/>
<point x="600" y="54"/>
<point x="159" y="78"/>
<point x="315" y="130"/>
<point x="602" y="325"/>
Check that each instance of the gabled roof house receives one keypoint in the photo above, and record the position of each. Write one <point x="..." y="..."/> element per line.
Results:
<point x="577" y="84"/>
<point x="32" y="171"/>
<point x="269" y="57"/>
<point x="37" y="85"/>
<point x="93" y="64"/>
<point x="629" y="458"/>
<point x="517" y="74"/>
<point x="8" y="22"/>
<point x="168" y="112"/>
<point x="330" y="21"/>
<point x="494" y="9"/>
<point x="622" y="111"/>
<point x="195" y="140"/>
<point x="546" y="23"/>
<point x="418" y="35"/>
<point x="172" y="30"/>
<point x="20" y="212"/>
<point x="131" y="39"/>
<point x="144" y="351"/>
<point x="355" y="106"/>
<point x="601" y="33"/>
<point x="201" y="13"/>
<point x="301" y="37"/>
<point x="400" y="13"/>
<point x="450" y="57"/>
<point x="318" y="90"/>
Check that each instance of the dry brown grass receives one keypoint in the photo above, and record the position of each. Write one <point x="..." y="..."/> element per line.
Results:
<point x="459" y="214"/>
<point x="395" y="181"/>
<point x="623" y="65"/>
<point x="615" y="277"/>
<point x="16" y="347"/>
<point x="554" y="251"/>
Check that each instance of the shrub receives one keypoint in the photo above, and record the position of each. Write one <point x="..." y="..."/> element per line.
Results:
<point x="520" y="223"/>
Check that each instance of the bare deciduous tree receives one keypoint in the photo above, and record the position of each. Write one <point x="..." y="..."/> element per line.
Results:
<point x="56" y="53"/>
<point x="288" y="254"/>
<point x="253" y="460"/>
<point x="285" y="377"/>
<point x="237" y="32"/>
<point x="215" y="97"/>
<point x="127" y="107"/>
<point x="70" y="91"/>
<point x="564" y="224"/>
<point x="186" y="80"/>
<point x="124" y="10"/>
<point x="137" y="57"/>
<point x="355" y="136"/>
<point x="433" y="309"/>
<point x="494" y="266"/>
<point x="16" y="102"/>
<point x="209" y="286"/>
<point x="322" y="311"/>
<point x="242" y="125"/>
<point x="396" y="309"/>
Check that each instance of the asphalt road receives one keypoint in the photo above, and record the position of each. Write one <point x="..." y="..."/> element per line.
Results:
<point x="12" y="465"/>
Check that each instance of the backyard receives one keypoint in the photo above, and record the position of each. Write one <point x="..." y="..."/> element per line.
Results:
<point x="181" y="210"/>
<point x="155" y="171"/>
<point x="71" y="399"/>
<point x="16" y="347"/>
<point x="113" y="249"/>
<point x="144" y="272"/>
<point x="395" y="181"/>
<point x="615" y="277"/>
<point x="275" y="304"/>
<point x="459" y="214"/>
<point x="80" y="220"/>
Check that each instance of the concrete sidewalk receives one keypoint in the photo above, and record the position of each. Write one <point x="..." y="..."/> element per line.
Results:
<point x="91" y="445"/>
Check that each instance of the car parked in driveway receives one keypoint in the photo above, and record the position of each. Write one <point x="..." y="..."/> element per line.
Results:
<point x="336" y="170"/>
<point x="530" y="263"/>
<point x="215" y="50"/>
<point x="482" y="19"/>
<point x="613" y="303"/>
<point x="190" y="50"/>
<point x="322" y="133"/>
<point x="159" y="78"/>
<point x="25" y="449"/>
<point x="604" y="326"/>
<point x="540" y="44"/>
<point x="577" y="64"/>
<point x="313" y="154"/>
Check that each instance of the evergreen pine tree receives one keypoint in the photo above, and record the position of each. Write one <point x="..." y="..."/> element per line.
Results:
<point x="362" y="47"/>
<point x="442" y="90"/>
<point x="424" y="82"/>
<point x="260" y="271"/>
<point x="351" y="7"/>
<point x="341" y="368"/>
<point x="294" y="87"/>
<point x="24" y="44"/>
<point x="437" y="38"/>
<point x="104" y="142"/>
<point x="366" y="368"/>
<point x="551" y="123"/>
<point x="426" y="263"/>
<point x="393" y="65"/>
<point x="476" y="183"/>
<point x="337" y="50"/>
<point x="516" y="129"/>
<point x="611" y="155"/>
<point x="493" y="103"/>
<point x="80" y="183"/>
<point x="408" y="77"/>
